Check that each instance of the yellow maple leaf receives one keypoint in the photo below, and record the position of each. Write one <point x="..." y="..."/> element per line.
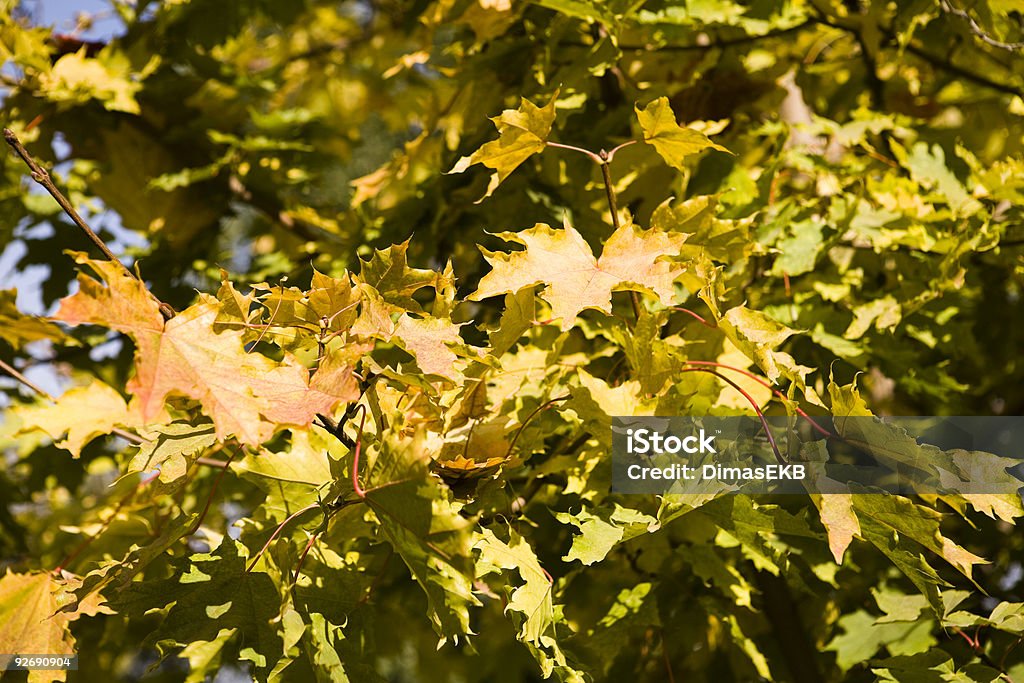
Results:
<point x="81" y="413"/>
<point x="633" y="259"/>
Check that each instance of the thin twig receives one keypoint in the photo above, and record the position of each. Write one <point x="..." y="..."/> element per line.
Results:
<point x="536" y="411"/>
<point x="936" y="61"/>
<point x="613" y="205"/>
<point x="821" y="430"/>
<point x="976" y="28"/>
<point x="25" y="380"/>
<point x="42" y="176"/>
<point x="80" y="548"/>
<point x="665" y="658"/>
<point x="129" y="436"/>
<point x="703" y="46"/>
<point x="13" y="372"/>
<point x="948" y="65"/>
<point x="213" y="462"/>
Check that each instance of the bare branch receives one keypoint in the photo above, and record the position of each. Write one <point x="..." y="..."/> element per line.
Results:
<point x="42" y="176"/>
<point x="10" y="370"/>
<point x="976" y="28"/>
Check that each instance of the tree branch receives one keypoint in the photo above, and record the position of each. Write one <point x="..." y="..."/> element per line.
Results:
<point x="706" y="44"/>
<point x="943" y="63"/>
<point x="976" y="28"/>
<point x="42" y="176"/>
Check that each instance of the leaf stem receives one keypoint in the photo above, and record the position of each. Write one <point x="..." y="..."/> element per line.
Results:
<point x="696" y="316"/>
<point x="753" y="404"/>
<point x="593" y="157"/>
<point x="42" y="176"/>
<point x="80" y="548"/>
<point x="606" y="174"/>
<point x="627" y="143"/>
<point x="302" y="558"/>
<point x="821" y="430"/>
<point x="224" y="465"/>
<point x="355" y="456"/>
<point x="613" y="206"/>
<point x="312" y="506"/>
<point x="536" y="411"/>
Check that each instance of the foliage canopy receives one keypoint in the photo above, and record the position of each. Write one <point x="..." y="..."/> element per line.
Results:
<point x="345" y="415"/>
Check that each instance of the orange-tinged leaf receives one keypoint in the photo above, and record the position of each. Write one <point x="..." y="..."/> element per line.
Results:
<point x="34" y="617"/>
<point x="428" y="340"/>
<point x="839" y="520"/>
<point x="560" y="259"/>
<point x="124" y="304"/>
<point x="246" y="394"/>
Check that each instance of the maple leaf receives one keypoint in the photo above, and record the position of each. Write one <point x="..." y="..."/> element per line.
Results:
<point x="172" y="448"/>
<point x="670" y="140"/>
<point x="18" y="329"/>
<point x="429" y="340"/>
<point x="757" y="335"/>
<point x="425" y="529"/>
<point x="82" y="414"/>
<point x="246" y="394"/>
<point x="633" y="259"/>
<point x="522" y="133"/>
<point x="35" y="610"/>
<point x="388" y="272"/>
<point x="212" y="599"/>
<point x="334" y="299"/>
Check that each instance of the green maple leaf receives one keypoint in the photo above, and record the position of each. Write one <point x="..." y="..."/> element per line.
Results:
<point x="421" y="525"/>
<point x="758" y="336"/>
<point x="522" y="133"/>
<point x="862" y="637"/>
<point x="530" y="601"/>
<point x="212" y="599"/>
<point x="172" y="448"/>
<point x="632" y="260"/>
